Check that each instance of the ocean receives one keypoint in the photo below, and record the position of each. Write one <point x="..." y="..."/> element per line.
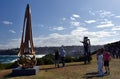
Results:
<point x="13" y="58"/>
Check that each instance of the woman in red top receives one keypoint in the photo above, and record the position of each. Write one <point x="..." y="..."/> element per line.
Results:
<point x="107" y="58"/>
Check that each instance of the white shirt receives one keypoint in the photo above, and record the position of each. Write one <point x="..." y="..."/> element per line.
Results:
<point x="100" y="58"/>
<point x="62" y="53"/>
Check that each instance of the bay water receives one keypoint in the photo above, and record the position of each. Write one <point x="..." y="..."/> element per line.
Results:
<point x="13" y="58"/>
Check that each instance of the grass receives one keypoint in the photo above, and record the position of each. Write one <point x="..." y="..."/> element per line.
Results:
<point x="75" y="70"/>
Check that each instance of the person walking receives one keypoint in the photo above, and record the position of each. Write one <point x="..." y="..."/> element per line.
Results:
<point x="107" y="58"/>
<point x="57" y="58"/>
<point x="100" y="62"/>
<point x="63" y="53"/>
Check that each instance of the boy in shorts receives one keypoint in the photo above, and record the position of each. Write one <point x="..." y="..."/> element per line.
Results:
<point x="106" y="58"/>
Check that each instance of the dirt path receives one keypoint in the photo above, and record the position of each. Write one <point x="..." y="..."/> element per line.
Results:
<point x="4" y="72"/>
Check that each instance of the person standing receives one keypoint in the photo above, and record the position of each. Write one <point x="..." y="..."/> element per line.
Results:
<point x="107" y="58"/>
<point x="87" y="54"/>
<point x="100" y="62"/>
<point x="63" y="56"/>
<point x="57" y="58"/>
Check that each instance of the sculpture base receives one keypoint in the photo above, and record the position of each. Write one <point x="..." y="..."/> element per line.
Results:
<point x="23" y="72"/>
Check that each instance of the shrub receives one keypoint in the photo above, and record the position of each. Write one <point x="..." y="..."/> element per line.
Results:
<point x="11" y="65"/>
<point x="49" y="56"/>
<point x="40" y="61"/>
<point x="48" y="59"/>
<point x="1" y="66"/>
<point x="76" y="59"/>
<point x="81" y="58"/>
<point x="68" y="59"/>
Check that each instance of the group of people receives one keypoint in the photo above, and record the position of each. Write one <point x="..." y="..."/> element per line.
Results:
<point x="60" y="54"/>
<point x="114" y="49"/>
<point x="103" y="58"/>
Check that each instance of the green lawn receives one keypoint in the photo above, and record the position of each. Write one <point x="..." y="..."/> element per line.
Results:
<point x="75" y="70"/>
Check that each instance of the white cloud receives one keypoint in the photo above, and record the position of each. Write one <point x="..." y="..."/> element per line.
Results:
<point x="90" y="21"/>
<point x="105" y="21"/>
<point x="105" y="34"/>
<point x="98" y="37"/>
<point x="117" y="16"/>
<point x="7" y="22"/>
<point x="58" y="28"/>
<point x="76" y="16"/>
<point x="92" y="13"/>
<point x="104" y="13"/>
<point x="12" y="31"/>
<point x="14" y="43"/>
<point x="117" y="28"/>
<point x="41" y="25"/>
<point x="56" y="39"/>
<point x="76" y="35"/>
<point x="72" y="18"/>
<point x="75" y="23"/>
<point x="63" y="19"/>
<point x="79" y="31"/>
<point x="105" y="24"/>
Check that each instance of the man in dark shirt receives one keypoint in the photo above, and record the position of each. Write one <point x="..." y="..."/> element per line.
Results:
<point x="57" y="58"/>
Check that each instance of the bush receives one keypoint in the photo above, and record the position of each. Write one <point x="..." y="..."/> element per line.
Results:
<point x="1" y="66"/>
<point x="11" y="65"/>
<point x="81" y="58"/>
<point x="68" y="59"/>
<point x="49" y="56"/>
<point x="40" y="61"/>
<point x="8" y="65"/>
<point x="48" y="59"/>
<point x="76" y="59"/>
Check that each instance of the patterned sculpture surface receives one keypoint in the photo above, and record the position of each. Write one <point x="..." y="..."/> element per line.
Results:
<point x="26" y="54"/>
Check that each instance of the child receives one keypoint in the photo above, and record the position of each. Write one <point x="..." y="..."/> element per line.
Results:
<point x="107" y="58"/>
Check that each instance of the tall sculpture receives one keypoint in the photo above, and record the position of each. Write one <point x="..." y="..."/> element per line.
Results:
<point x="86" y="44"/>
<point x="26" y="54"/>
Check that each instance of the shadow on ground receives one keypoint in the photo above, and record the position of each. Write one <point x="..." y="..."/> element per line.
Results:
<point x="90" y="75"/>
<point x="52" y="68"/>
<point x="93" y="74"/>
<point x="11" y="75"/>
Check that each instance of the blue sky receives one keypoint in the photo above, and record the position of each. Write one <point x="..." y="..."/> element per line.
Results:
<point x="60" y="22"/>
